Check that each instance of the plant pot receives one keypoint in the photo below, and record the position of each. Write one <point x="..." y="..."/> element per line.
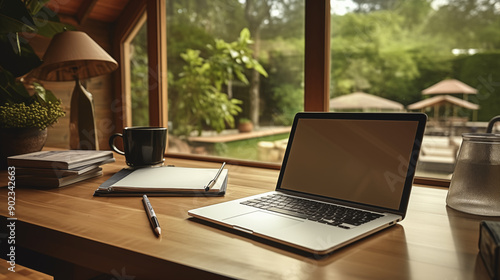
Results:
<point x="17" y="141"/>
<point x="245" y="127"/>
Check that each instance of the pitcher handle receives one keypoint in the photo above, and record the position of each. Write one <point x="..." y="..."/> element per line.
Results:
<point x="491" y="123"/>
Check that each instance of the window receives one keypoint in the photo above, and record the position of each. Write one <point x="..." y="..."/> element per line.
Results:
<point x="138" y="61"/>
<point x="398" y="50"/>
<point x="389" y="49"/>
<point x="286" y="55"/>
<point x="233" y="64"/>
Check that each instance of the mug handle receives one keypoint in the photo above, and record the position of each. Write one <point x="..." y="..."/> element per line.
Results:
<point x="112" y="143"/>
<point x="491" y="123"/>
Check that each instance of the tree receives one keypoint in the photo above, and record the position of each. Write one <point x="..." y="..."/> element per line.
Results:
<point x="256" y="13"/>
<point x="219" y="18"/>
<point x="384" y="53"/>
<point x="470" y="24"/>
<point x="194" y="24"/>
<point x="366" y="6"/>
<point x="201" y="102"/>
<point x="282" y="93"/>
<point x="270" y="19"/>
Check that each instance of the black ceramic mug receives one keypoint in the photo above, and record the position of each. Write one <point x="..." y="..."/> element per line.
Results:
<point x="142" y="145"/>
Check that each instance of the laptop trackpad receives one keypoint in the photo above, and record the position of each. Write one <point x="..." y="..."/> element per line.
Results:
<point x="258" y="221"/>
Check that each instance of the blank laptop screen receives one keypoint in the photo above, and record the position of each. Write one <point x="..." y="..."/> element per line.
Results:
<point x="363" y="161"/>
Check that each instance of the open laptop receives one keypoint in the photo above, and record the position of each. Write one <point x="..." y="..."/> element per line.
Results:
<point x="344" y="176"/>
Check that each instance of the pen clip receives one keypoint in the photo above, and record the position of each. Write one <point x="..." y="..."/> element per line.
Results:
<point x="209" y="185"/>
<point x="212" y="182"/>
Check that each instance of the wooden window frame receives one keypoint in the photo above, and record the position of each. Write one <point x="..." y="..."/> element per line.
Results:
<point x="126" y="25"/>
<point x="317" y="56"/>
<point x="125" y="62"/>
<point x="316" y="70"/>
<point x="157" y="62"/>
<point x="154" y="12"/>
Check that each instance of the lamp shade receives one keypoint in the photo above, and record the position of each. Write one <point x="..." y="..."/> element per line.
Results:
<point x="74" y="54"/>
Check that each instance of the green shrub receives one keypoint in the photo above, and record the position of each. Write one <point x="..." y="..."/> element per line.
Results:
<point x="33" y="115"/>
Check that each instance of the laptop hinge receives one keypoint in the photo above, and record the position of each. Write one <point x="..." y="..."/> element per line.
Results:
<point x="336" y="201"/>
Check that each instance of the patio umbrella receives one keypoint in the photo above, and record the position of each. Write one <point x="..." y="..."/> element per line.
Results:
<point x="364" y="101"/>
<point x="450" y="86"/>
<point x="442" y="100"/>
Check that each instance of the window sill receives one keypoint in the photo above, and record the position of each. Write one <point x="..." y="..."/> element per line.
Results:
<point x="418" y="180"/>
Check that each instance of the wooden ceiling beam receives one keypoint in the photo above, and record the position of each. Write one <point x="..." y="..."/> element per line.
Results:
<point x="85" y="10"/>
<point x="128" y="19"/>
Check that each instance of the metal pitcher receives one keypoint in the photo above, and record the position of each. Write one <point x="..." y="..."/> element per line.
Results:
<point x="475" y="185"/>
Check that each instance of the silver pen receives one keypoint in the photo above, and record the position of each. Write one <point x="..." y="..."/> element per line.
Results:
<point x="151" y="215"/>
<point x="214" y="180"/>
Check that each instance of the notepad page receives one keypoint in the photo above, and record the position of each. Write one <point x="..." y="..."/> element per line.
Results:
<point x="171" y="178"/>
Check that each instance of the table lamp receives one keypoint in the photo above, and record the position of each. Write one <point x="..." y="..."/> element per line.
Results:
<point x="73" y="55"/>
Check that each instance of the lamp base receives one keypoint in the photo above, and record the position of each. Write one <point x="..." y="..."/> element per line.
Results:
<point x="83" y="133"/>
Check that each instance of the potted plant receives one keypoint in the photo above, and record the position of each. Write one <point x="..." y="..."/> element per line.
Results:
<point x="26" y="107"/>
<point x="245" y="125"/>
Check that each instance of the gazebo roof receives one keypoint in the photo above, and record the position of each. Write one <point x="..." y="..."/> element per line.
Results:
<point x="361" y="100"/>
<point x="450" y="86"/>
<point x="440" y="100"/>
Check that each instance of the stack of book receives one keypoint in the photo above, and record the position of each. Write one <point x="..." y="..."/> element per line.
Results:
<point x="58" y="168"/>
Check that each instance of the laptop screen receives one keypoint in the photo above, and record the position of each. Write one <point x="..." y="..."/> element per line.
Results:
<point x="357" y="160"/>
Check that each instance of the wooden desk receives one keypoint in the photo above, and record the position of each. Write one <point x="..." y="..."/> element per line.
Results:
<point x="112" y="235"/>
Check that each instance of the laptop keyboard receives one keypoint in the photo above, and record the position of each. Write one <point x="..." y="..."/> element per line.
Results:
<point x="335" y="215"/>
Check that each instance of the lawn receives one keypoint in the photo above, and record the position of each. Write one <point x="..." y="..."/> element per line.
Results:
<point x="245" y="149"/>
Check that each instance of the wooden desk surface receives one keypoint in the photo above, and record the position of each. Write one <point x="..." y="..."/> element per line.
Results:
<point x="112" y="234"/>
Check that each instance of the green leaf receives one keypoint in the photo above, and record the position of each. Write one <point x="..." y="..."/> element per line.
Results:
<point x="12" y="91"/>
<point x="260" y="69"/>
<point x="242" y="77"/>
<point x="13" y="39"/>
<point x="48" y="23"/>
<point x="18" y="63"/>
<point x="245" y="59"/>
<point x="245" y="35"/>
<point x="233" y="53"/>
<point x="50" y="96"/>
<point x="44" y="96"/>
<point x="15" y="17"/>
<point x="36" y="5"/>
